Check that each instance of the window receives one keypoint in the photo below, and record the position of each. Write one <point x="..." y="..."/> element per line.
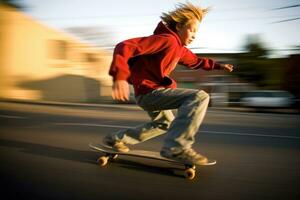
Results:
<point x="91" y="58"/>
<point x="57" y="49"/>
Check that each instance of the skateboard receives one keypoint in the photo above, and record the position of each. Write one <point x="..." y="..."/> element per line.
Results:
<point x="189" y="171"/>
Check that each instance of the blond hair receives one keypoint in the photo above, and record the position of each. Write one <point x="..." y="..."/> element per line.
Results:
<point x="183" y="14"/>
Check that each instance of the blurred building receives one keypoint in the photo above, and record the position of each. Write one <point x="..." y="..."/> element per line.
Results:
<point x="40" y="63"/>
<point x="292" y="77"/>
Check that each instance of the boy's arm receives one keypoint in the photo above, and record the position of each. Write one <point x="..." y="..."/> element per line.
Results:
<point x="127" y="49"/>
<point x="190" y="60"/>
<point x="120" y="90"/>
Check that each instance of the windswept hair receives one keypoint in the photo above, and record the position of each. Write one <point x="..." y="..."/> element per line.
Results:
<point x="182" y="14"/>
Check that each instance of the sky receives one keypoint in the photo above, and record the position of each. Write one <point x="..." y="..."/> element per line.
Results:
<point x="224" y="29"/>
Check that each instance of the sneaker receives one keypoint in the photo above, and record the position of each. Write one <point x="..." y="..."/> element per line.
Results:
<point x="115" y="145"/>
<point x="187" y="156"/>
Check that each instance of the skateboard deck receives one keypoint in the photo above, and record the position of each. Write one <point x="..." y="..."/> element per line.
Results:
<point x="110" y="154"/>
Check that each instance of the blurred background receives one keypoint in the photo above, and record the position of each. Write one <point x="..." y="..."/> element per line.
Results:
<point x="60" y="50"/>
<point x="55" y="100"/>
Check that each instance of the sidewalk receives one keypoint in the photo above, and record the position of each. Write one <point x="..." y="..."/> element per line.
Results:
<point x="128" y="106"/>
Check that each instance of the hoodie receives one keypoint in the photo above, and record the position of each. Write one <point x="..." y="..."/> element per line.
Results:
<point x="146" y="62"/>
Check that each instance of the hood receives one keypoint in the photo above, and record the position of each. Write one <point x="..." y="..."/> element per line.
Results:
<point x="163" y="29"/>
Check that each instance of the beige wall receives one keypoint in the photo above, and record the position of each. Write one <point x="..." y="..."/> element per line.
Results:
<point x="40" y="63"/>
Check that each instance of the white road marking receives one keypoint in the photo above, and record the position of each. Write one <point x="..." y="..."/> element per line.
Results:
<point x="211" y="132"/>
<point x="12" y="117"/>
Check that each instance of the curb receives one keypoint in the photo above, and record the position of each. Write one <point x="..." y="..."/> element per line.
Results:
<point x="69" y="104"/>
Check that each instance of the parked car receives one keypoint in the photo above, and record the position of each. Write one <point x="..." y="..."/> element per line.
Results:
<point x="268" y="99"/>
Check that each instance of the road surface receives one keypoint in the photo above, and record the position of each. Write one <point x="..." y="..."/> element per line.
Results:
<point x="45" y="155"/>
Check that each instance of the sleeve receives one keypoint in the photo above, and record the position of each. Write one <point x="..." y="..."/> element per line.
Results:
<point x="190" y="60"/>
<point x="127" y="49"/>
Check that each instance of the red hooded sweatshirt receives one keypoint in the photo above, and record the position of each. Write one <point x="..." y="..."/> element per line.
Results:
<point x="146" y="62"/>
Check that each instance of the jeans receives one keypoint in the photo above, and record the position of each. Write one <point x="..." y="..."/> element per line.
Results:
<point x="180" y="130"/>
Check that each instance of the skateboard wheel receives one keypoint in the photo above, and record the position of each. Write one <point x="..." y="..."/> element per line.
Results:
<point x="102" y="161"/>
<point x="190" y="173"/>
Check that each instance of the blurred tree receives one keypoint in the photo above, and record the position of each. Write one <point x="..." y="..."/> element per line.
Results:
<point x="13" y="3"/>
<point x="253" y="64"/>
<point x="255" y="48"/>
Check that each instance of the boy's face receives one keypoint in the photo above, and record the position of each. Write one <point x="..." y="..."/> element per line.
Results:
<point x="187" y="33"/>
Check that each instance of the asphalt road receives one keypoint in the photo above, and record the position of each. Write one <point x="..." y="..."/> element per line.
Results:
<point x="45" y="155"/>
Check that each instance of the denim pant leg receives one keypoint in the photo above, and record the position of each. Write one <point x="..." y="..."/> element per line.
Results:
<point x="160" y="122"/>
<point x="191" y="105"/>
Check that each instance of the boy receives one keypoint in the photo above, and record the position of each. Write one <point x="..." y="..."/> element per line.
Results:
<point x="146" y="63"/>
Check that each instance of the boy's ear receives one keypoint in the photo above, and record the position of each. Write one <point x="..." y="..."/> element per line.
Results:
<point x="178" y="26"/>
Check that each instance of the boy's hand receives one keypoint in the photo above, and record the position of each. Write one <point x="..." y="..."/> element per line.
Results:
<point x="227" y="67"/>
<point x="120" y="90"/>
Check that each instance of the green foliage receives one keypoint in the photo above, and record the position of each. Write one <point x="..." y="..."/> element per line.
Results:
<point x="255" y="48"/>
<point x="13" y="3"/>
<point x="256" y="67"/>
